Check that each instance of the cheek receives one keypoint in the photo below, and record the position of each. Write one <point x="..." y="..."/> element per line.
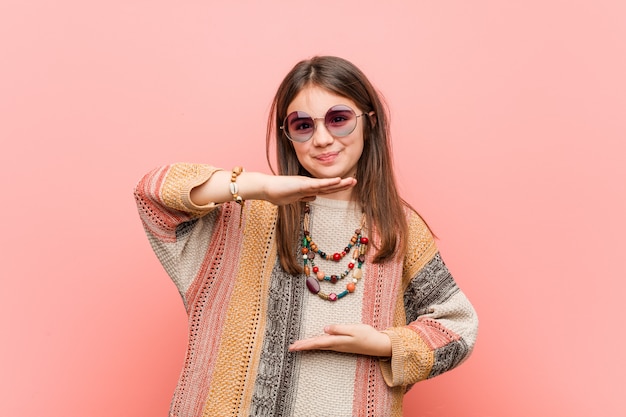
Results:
<point x="300" y="150"/>
<point x="357" y="145"/>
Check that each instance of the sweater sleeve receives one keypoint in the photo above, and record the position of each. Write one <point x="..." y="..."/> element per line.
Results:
<point x="441" y="324"/>
<point x="178" y="230"/>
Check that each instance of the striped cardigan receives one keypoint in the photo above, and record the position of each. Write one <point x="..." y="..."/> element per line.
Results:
<point x="244" y="310"/>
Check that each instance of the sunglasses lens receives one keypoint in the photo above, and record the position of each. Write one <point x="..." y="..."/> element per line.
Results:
<point x="299" y="126"/>
<point x="340" y="120"/>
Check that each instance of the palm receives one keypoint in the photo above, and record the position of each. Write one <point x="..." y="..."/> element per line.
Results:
<point x="286" y="189"/>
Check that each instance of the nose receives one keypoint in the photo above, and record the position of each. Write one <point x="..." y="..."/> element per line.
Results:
<point x="321" y="136"/>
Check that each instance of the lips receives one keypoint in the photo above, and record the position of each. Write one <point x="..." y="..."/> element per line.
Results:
<point x="326" y="157"/>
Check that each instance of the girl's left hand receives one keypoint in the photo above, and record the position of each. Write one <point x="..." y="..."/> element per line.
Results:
<point x="350" y="338"/>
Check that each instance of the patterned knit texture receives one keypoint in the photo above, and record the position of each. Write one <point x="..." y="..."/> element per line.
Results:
<point x="245" y="310"/>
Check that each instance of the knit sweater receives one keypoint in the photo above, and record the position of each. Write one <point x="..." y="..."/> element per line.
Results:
<point x="245" y="310"/>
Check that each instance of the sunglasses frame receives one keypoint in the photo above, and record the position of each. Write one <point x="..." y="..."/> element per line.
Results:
<point x="284" y="128"/>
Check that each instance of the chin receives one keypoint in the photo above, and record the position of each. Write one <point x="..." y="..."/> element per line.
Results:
<point x="327" y="173"/>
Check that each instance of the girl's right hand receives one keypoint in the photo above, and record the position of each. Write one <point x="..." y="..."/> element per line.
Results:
<point x="277" y="189"/>
<point x="286" y="189"/>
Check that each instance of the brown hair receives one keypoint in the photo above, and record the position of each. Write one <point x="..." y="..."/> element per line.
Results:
<point x="375" y="191"/>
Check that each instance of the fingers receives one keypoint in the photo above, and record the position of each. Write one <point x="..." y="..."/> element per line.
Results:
<point x="327" y="185"/>
<point x="330" y="183"/>
<point x="314" y="187"/>
<point x="337" y="337"/>
<point x="322" y="342"/>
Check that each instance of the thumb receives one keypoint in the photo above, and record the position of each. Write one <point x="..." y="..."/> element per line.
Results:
<point x="338" y="329"/>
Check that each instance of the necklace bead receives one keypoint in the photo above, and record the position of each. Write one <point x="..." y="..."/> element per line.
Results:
<point x="310" y="248"/>
<point x="313" y="285"/>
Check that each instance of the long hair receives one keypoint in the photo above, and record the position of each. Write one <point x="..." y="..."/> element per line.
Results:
<point x="375" y="190"/>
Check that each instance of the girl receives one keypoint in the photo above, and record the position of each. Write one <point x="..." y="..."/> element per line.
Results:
<point x="314" y="292"/>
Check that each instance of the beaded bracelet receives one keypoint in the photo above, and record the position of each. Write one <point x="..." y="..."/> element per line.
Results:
<point x="234" y="189"/>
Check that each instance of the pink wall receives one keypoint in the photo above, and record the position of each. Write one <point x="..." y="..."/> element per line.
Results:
<point x="509" y="122"/>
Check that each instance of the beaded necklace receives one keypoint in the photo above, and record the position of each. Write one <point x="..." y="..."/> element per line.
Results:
<point x="310" y="250"/>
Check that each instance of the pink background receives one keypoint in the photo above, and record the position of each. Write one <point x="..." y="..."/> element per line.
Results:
<point x="509" y="127"/>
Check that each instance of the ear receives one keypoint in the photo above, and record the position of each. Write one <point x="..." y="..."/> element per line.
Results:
<point x="372" y="117"/>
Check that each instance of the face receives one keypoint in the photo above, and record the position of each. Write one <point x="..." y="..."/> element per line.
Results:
<point x="324" y="155"/>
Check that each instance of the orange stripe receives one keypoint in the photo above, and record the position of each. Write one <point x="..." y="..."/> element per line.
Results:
<point x="237" y="361"/>
<point x="421" y="248"/>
